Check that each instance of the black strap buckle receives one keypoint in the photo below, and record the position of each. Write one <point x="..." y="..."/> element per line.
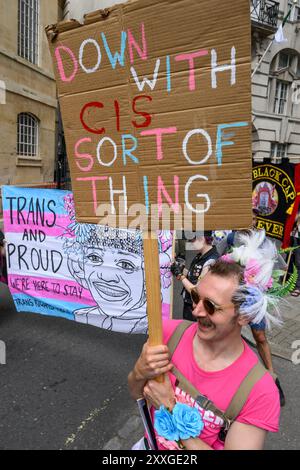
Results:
<point x="203" y="401"/>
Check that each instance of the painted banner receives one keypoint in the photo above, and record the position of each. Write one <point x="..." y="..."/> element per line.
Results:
<point x="88" y="273"/>
<point x="156" y="105"/>
<point x="273" y="196"/>
<point x="294" y="211"/>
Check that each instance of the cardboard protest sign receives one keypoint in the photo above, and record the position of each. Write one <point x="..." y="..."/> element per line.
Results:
<point x="273" y="196"/>
<point x="87" y="273"/>
<point x="156" y="105"/>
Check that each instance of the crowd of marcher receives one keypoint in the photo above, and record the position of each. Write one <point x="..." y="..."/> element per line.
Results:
<point x="216" y="393"/>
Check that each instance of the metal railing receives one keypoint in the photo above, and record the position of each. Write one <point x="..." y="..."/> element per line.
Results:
<point x="265" y="12"/>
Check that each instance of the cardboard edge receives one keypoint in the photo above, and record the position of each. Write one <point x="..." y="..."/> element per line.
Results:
<point x="96" y="16"/>
<point x="103" y="14"/>
<point x="53" y="30"/>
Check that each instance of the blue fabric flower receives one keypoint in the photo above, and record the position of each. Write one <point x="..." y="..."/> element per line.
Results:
<point x="164" y="425"/>
<point x="187" y="420"/>
<point x="253" y="297"/>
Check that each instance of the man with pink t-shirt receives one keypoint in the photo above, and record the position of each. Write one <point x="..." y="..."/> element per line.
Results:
<point x="214" y="358"/>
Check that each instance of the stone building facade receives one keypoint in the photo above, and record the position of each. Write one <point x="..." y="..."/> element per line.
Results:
<point x="276" y="84"/>
<point x="28" y="104"/>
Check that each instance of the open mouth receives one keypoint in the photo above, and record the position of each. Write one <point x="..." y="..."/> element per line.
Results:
<point x="205" y="326"/>
<point x="111" y="293"/>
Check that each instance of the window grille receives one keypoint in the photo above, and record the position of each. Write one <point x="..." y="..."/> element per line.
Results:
<point x="28" y="28"/>
<point x="284" y="60"/>
<point x="298" y="67"/>
<point x="278" y="152"/>
<point x="295" y="15"/>
<point x="27" y="135"/>
<point x="281" y="96"/>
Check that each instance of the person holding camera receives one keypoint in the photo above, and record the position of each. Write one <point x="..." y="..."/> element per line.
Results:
<point x="207" y="255"/>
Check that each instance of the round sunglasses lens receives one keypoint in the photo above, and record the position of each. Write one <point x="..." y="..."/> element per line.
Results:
<point x="209" y="306"/>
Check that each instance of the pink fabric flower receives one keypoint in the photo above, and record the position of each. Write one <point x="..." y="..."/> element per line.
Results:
<point x="251" y="271"/>
<point x="269" y="284"/>
<point x="227" y="259"/>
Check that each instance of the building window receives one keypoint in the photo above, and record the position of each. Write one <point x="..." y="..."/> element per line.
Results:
<point x="295" y="15"/>
<point x="28" y="30"/>
<point x="265" y="12"/>
<point x="284" y="60"/>
<point x="281" y="96"/>
<point x="28" y="127"/>
<point x="278" y="152"/>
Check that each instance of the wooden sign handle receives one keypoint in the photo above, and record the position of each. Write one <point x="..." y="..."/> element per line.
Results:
<point x="287" y="269"/>
<point x="152" y="276"/>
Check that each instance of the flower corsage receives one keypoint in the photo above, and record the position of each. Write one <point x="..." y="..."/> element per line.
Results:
<point x="182" y="424"/>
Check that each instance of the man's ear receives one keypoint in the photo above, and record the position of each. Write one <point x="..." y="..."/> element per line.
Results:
<point x="243" y="320"/>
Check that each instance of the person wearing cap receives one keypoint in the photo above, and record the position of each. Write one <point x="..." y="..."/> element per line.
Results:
<point x="207" y="254"/>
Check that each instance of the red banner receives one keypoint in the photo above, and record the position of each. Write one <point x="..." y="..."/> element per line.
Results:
<point x="291" y="220"/>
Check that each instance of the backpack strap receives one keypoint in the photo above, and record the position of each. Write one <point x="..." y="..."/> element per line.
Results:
<point x="239" y="399"/>
<point x="204" y="402"/>
<point x="177" y="335"/>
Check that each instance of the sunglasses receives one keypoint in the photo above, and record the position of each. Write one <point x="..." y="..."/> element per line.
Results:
<point x="209" y="306"/>
<point x="191" y="240"/>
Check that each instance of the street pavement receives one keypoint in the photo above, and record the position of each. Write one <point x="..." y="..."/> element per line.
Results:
<point x="64" y="385"/>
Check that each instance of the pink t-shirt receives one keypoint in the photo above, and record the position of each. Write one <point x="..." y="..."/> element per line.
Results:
<point x="262" y="408"/>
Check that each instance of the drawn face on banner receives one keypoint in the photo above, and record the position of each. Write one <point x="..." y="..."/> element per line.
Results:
<point x="90" y="274"/>
<point x="114" y="277"/>
<point x="109" y="264"/>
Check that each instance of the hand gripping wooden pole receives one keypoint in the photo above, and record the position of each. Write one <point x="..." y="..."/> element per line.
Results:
<point x="152" y="275"/>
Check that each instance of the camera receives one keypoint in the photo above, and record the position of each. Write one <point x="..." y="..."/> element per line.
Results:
<point x="178" y="266"/>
